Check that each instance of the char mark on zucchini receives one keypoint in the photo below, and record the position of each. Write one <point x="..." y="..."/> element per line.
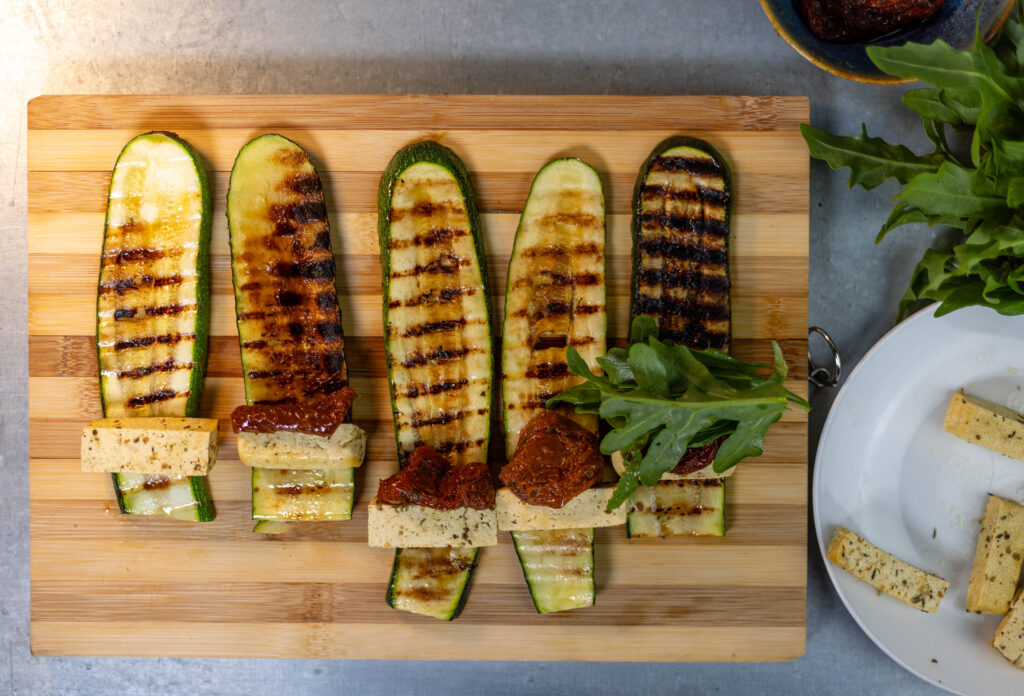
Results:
<point x="680" y="237"/>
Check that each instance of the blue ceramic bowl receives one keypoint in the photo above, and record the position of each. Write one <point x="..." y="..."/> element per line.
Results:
<point x="954" y="24"/>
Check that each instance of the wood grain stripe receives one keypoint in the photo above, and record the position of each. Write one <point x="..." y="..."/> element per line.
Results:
<point x="419" y="641"/>
<point x="356" y="192"/>
<point x="76" y="112"/>
<point x="331" y="602"/>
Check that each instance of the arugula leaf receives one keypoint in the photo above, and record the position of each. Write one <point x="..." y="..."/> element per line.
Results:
<point x="661" y="399"/>
<point x="871" y="160"/>
<point x="979" y="90"/>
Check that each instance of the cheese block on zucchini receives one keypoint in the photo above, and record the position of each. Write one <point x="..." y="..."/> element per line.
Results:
<point x="416" y="526"/>
<point x="1009" y="636"/>
<point x="153" y="307"/>
<point x="344" y="449"/>
<point x="885" y="572"/>
<point x="588" y="509"/>
<point x="707" y="472"/>
<point x="984" y="423"/>
<point x="997" y="557"/>
<point x="166" y="446"/>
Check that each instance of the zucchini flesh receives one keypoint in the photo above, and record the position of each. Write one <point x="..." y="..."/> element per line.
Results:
<point x="437" y="327"/>
<point x="678" y="508"/>
<point x="558" y="565"/>
<point x="286" y="307"/>
<point x="555" y="298"/>
<point x="153" y="307"/>
<point x="681" y="210"/>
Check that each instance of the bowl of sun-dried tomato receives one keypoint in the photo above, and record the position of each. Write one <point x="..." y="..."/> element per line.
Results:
<point x="833" y="34"/>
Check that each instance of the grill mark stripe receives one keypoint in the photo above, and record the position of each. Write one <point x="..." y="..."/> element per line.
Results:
<point x="425" y="209"/>
<point x="444" y="264"/>
<point x="154" y="397"/>
<point x="683" y="223"/>
<point x="691" y="280"/>
<point x="123" y="285"/>
<point x="431" y="327"/>
<point x="439" y="356"/>
<point x="169" y="310"/>
<point x="430" y="238"/>
<point x="561" y="279"/>
<point x="168" y="366"/>
<point x="434" y="297"/>
<point x="695" y="335"/>
<point x="455" y="446"/>
<point x="143" y="341"/>
<point x="706" y="194"/>
<point x="444" y="418"/>
<point x="690" y="309"/>
<point x="690" y="165"/>
<point x="414" y="391"/>
<point x="684" y="252"/>
<point x="121" y="256"/>
<point x="547" y="370"/>
<point x="581" y="249"/>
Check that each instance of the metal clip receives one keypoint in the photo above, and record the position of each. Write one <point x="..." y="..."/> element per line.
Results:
<point x="821" y="376"/>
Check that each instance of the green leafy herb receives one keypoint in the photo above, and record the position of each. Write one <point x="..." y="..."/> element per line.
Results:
<point x="980" y="91"/>
<point x="662" y="399"/>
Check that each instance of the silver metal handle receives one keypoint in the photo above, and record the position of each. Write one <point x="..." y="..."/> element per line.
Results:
<point x="823" y="376"/>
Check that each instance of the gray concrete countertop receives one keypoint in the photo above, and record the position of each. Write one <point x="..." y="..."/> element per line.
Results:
<point x="458" y="46"/>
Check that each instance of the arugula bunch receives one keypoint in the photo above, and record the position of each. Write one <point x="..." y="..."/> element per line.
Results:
<point x="663" y="399"/>
<point x="980" y="91"/>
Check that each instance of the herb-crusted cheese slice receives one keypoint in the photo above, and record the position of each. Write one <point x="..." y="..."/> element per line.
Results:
<point x="588" y="509"/>
<point x="416" y="526"/>
<point x="885" y="572"/>
<point x="162" y="445"/>
<point x="997" y="559"/>
<point x="1009" y="637"/>
<point x="344" y="449"/>
<point x="987" y="424"/>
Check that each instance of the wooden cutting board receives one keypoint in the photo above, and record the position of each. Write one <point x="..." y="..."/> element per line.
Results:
<point x="108" y="584"/>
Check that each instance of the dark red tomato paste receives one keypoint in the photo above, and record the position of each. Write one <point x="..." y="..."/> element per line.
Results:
<point x="428" y="479"/>
<point x="848" y="21"/>
<point x="321" y="417"/>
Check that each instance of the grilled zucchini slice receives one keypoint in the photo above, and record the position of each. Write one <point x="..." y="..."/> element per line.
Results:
<point x="437" y="339"/>
<point x="286" y="307"/>
<point x="681" y="209"/>
<point x="153" y="307"/>
<point x="554" y="298"/>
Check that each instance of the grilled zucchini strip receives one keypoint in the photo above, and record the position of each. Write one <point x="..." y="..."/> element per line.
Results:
<point x="681" y="207"/>
<point x="555" y="298"/>
<point x="153" y="307"/>
<point x="286" y="307"/>
<point x="437" y="338"/>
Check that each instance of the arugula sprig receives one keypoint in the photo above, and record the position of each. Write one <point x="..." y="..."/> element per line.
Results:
<point x="980" y="91"/>
<point x="662" y="399"/>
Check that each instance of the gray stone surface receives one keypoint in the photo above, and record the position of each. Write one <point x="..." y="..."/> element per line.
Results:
<point x="464" y="46"/>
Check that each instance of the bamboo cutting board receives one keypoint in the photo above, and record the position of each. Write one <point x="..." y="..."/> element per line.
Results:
<point x="108" y="584"/>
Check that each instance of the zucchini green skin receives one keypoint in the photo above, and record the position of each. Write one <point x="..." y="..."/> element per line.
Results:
<point x="558" y="565"/>
<point x="455" y="590"/>
<point x="200" y="491"/>
<point x="647" y="523"/>
<point x="286" y="180"/>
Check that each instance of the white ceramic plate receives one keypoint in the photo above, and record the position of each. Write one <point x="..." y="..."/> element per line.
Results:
<point x="886" y="469"/>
